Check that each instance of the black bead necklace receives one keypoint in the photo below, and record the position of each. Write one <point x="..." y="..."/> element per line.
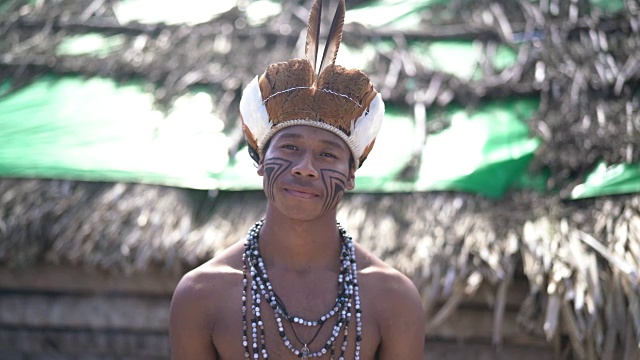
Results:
<point x="261" y="288"/>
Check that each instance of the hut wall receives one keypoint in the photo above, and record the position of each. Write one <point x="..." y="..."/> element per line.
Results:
<point x="69" y="313"/>
<point x="62" y="312"/>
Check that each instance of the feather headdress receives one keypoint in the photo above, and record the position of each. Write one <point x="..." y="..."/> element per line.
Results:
<point x="336" y="99"/>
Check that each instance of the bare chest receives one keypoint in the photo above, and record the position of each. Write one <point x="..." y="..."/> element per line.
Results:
<point x="282" y="338"/>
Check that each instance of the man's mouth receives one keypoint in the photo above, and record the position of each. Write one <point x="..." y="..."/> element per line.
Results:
<point x="301" y="193"/>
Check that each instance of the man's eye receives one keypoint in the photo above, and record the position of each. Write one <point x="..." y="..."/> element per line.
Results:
<point x="330" y="155"/>
<point x="290" y="147"/>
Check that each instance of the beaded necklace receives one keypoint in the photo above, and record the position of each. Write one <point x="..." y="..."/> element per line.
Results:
<point x="261" y="290"/>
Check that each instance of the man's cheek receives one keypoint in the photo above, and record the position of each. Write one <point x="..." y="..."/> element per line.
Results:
<point x="274" y="168"/>
<point x="335" y="184"/>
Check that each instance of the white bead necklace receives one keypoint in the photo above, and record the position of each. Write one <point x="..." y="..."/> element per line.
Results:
<point x="261" y="288"/>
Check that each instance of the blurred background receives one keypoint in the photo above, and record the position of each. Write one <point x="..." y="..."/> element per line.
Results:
<point x="505" y="181"/>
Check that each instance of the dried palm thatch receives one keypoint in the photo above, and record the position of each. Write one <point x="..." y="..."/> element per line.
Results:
<point x="595" y="308"/>
<point x="581" y="258"/>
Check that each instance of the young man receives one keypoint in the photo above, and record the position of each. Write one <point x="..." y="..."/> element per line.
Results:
<point x="298" y="286"/>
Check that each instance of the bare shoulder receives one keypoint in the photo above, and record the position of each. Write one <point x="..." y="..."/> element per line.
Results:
<point x="384" y="281"/>
<point x="394" y="302"/>
<point x="200" y="301"/>
<point x="205" y="281"/>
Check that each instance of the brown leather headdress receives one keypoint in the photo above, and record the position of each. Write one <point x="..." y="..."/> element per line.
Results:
<point x="290" y="93"/>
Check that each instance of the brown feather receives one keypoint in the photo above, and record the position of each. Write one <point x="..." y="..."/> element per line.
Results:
<point x="355" y="95"/>
<point x="334" y="37"/>
<point x="286" y="87"/>
<point x="313" y="33"/>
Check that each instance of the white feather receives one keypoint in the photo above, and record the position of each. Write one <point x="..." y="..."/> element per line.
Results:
<point x="365" y="129"/>
<point x="254" y="112"/>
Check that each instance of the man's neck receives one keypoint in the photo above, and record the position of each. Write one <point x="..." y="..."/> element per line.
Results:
<point x="300" y="246"/>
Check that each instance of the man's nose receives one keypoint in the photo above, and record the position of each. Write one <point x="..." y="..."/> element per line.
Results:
<point x="304" y="166"/>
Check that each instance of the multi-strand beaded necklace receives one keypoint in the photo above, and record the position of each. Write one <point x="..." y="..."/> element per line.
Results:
<point x="261" y="290"/>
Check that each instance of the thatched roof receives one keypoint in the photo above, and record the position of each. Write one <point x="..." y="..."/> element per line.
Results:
<point x="580" y="257"/>
<point x="579" y="59"/>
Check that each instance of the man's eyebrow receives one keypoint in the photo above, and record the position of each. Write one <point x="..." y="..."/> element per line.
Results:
<point x="328" y="142"/>
<point x="290" y="136"/>
<point x="334" y="144"/>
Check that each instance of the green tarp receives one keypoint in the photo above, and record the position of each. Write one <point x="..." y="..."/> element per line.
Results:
<point x="609" y="180"/>
<point x="93" y="129"/>
<point x="73" y="128"/>
<point x="397" y="14"/>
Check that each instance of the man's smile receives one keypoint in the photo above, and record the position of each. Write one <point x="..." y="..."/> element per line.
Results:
<point x="301" y="192"/>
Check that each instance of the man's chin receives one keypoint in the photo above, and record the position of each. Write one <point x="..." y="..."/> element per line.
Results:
<point x="300" y="213"/>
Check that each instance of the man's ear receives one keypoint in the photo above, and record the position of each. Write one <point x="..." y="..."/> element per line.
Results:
<point x="351" y="180"/>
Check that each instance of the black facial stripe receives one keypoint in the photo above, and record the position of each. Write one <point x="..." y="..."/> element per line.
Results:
<point x="335" y="183"/>
<point x="273" y="169"/>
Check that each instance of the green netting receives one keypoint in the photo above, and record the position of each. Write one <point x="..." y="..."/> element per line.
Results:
<point x="90" y="44"/>
<point x="460" y="58"/>
<point x="192" y="11"/>
<point x="483" y="152"/>
<point x="4" y="88"/>
<point x="4" y="7"/>
<point x="397" y="14"/>
<point x="609" y="180"/>
<point x="407" y="14"/>
<point x="171" y="12"/>
<point x="79" y="129"/>
<point x="610" y="6"/>
<point x="72" y="128"/>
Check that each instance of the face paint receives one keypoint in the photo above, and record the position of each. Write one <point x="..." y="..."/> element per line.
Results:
<point x="335" y="184"/>
<point x="273" y="169"/>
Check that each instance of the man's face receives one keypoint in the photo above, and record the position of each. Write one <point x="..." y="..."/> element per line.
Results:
<point x="306" y="171"/>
